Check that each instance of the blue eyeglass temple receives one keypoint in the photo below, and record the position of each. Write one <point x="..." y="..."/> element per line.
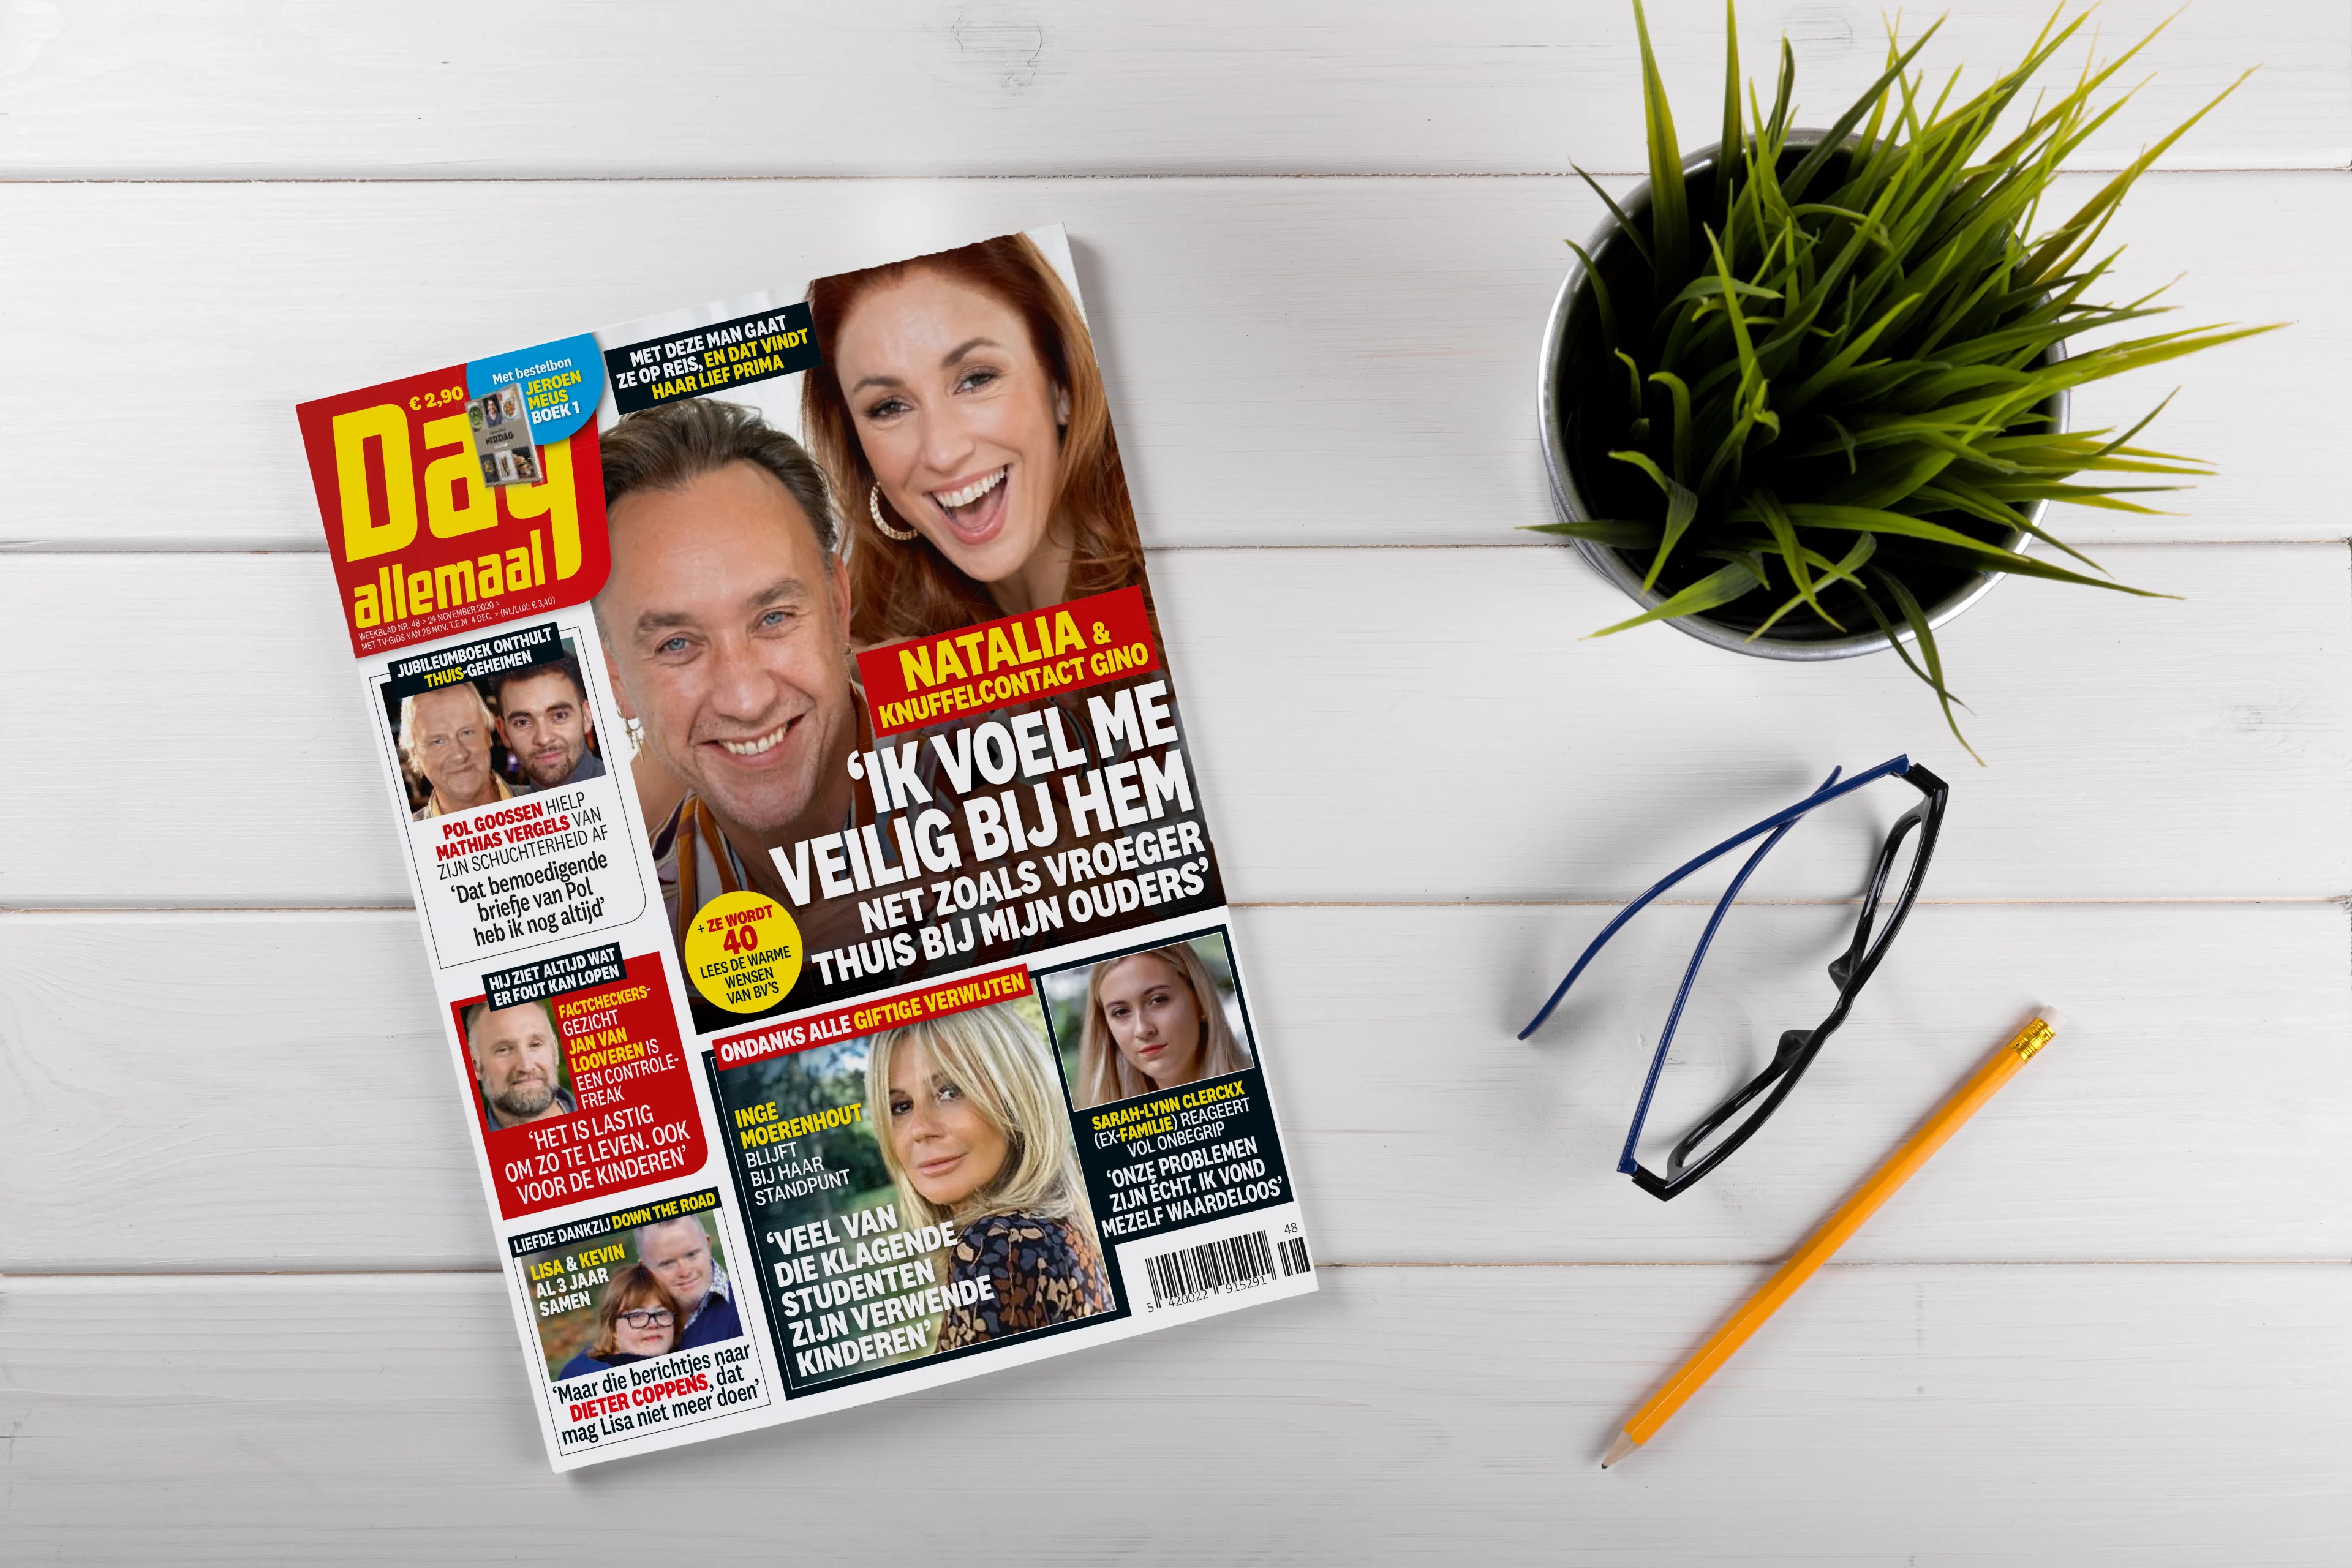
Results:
<point x="1777" y="825"/>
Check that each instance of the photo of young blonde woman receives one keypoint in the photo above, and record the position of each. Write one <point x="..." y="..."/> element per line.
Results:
<point x="1153" y="1020"/>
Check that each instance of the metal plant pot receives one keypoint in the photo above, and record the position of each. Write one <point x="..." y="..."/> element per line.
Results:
<point x="1573" y="357"/>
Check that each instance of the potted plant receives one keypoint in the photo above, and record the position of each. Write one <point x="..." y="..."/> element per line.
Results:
<point x="1806" y="394"/>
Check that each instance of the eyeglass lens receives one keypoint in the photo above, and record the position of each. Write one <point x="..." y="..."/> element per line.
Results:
<point x="1890" y="884"/>
<point x="1714" y="1084"/>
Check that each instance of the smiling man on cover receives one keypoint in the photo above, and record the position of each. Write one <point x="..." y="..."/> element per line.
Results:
<point x="543" y="719"/>
<point x="518" y="1059"/>
<point x="445" y="735"/>
<point x="679" y="1253"/>
<point x="725" y="623"/>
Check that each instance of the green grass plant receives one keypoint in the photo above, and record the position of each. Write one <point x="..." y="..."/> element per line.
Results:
<point x="1827" y="364"/>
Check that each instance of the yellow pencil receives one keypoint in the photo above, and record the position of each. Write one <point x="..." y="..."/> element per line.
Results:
<point x="1834" y="1233"/>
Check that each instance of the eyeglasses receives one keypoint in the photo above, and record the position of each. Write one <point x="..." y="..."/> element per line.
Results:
<point x="1851" y="971"/>
<point x="649" y="1317"/>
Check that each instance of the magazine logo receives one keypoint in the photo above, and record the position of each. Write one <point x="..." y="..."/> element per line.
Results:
<point x="428" y="536"/>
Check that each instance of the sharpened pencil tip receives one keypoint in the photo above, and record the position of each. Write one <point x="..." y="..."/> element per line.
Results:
<point x="1618" y="1450"/>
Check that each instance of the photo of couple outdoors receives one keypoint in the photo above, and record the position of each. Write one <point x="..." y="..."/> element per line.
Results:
<point x="667" y="1290"/>
<point x="965" y="1132"/>
<point x="479" y="742"/>
<point x="956" y="465"/>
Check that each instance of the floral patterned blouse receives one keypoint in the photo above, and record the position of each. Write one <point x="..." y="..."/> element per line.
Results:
<point x="1042" y="1271"/>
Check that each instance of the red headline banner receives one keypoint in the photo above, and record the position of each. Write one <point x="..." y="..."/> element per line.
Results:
<point x="996" y="664"/>
<point x="871" y="1018"/>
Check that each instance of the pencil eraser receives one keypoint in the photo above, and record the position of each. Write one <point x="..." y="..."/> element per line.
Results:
<point x="2052" y="1016"/>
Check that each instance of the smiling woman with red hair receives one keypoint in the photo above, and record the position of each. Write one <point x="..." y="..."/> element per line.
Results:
<point x="960" y="416"/>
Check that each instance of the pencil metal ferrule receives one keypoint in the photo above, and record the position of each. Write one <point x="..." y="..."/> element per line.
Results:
<point x="2031" y="1038"/>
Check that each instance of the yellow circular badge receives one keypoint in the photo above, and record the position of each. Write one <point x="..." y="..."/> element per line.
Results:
<point x="743" y="951"/>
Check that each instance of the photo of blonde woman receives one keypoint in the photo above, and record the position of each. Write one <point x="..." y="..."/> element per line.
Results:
<point x="1153" y="1020"/>
<point x="976" y="1136"/>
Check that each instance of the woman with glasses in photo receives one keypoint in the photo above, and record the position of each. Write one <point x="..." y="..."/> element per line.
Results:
<point x="638" y="1318"/>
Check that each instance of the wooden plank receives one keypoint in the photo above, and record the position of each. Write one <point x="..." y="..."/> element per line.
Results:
<point x="2154" y="1416"/>
<point x="1292" y="362"/>
<point x="116" y="90"/>
<point x="1381" y="724"/>
<point x="1431" y="725"/>
<point x="270" y="1091"/>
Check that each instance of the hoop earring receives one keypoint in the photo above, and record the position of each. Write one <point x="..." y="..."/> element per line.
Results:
<point x="874" y="511"/>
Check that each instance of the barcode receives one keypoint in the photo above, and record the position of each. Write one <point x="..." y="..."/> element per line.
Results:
<point x="1237" y="1261"/>
<point x="1293" y="1256"/>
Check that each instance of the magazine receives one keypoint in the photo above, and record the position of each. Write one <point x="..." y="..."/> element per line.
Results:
<point x="832" y="951"/>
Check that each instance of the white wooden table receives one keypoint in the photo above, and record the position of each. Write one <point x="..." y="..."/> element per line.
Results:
<point x="249" y="1312"/>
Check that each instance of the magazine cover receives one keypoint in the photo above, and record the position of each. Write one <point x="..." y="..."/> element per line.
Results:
<point x="833" y="951"/>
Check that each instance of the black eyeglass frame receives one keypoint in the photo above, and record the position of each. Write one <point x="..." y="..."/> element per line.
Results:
<point x="1851" y="970"/>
